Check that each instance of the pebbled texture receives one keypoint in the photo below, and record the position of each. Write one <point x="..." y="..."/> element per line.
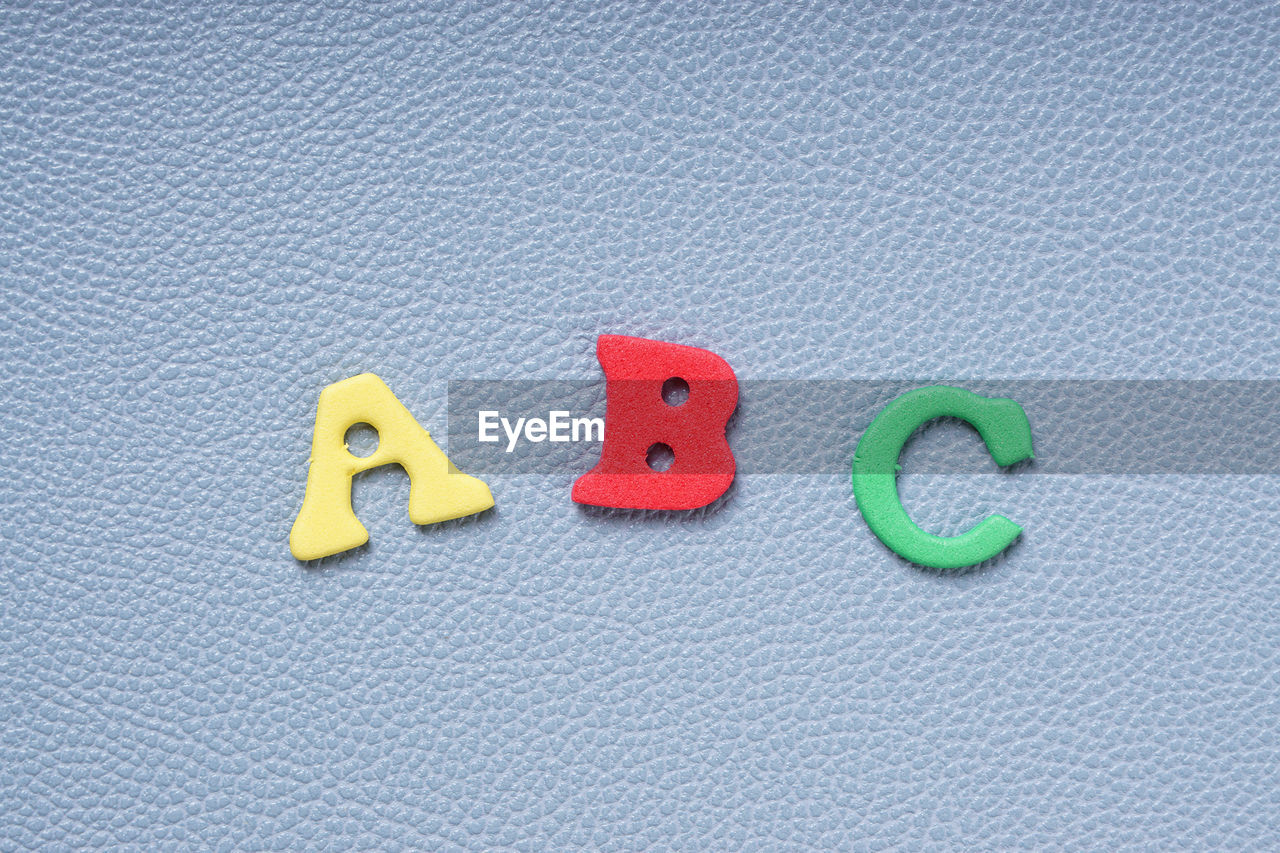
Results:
<point x="210" y="211"/>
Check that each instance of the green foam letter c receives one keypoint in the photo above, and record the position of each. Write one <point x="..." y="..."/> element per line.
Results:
<point x="1004" y="428"/>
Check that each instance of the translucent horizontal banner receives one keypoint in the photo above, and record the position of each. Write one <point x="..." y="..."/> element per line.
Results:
<point x="1110" y="427"/>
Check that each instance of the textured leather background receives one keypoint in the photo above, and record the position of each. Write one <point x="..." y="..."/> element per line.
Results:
<point x="212" y="210"/>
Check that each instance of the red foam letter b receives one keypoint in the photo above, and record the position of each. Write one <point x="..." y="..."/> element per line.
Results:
<point x="637" y="418"/>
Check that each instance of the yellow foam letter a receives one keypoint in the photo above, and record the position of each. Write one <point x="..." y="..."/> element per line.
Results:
<point x="326" y="523"/>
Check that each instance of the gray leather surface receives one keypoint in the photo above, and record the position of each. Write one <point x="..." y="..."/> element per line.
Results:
<point x="210" y="211"/>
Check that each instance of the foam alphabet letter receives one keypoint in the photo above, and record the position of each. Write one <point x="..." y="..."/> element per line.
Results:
<point x="1003" y="426"/>
<point x="326" y="524"/>
<point x="638" y="420"/>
